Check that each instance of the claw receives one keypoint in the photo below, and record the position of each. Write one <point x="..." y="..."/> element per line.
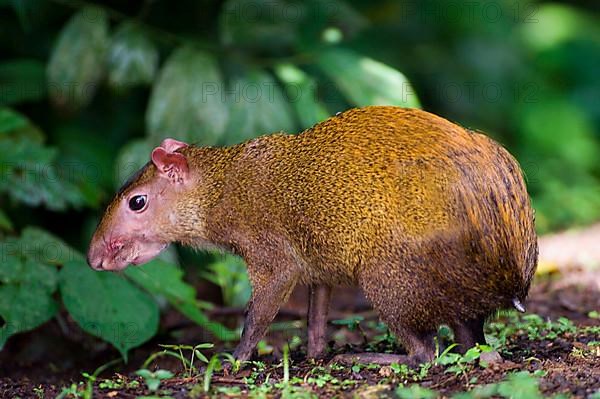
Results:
<point x="518" y="305"/>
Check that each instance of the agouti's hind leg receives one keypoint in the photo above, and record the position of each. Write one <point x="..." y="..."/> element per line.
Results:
<point x="468" y="333"/>
<point x="318" y="308"/>
<point x="420" y="346"/>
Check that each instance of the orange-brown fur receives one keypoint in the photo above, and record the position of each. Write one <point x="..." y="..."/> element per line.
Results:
<point x="432" y="221"/>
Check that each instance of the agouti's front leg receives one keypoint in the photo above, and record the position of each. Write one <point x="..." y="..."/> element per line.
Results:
<point x="318" y="308"/>
<point x="270" y="290"/>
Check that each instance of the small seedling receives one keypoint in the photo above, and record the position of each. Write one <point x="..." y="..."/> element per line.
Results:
<point x="286" y="364"/>
<point x="118" y="383"/>
<point x="86" y="391"/>
<point x="213" y="364"/>
<point x="153" y="379"/>
<point x="263" y="348"/>
<point x="39" y="392"/>
<point x="188" y="364"/>
<point x="177" y="351"/>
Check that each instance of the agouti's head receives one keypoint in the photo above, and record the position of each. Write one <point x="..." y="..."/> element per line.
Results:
<point x="137" y="225"/>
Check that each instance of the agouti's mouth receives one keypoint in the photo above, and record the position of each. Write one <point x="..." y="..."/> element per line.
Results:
<point x="147" y="252"/>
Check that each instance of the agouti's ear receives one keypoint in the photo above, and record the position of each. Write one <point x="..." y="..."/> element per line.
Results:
<point x="171" y="165"/>
<point x="172" y="145"/>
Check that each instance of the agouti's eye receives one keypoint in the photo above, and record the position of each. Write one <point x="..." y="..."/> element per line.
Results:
<point x="137" y="202"/>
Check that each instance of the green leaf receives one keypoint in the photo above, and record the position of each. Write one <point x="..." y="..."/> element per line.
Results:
<point x="132" y="57"/>
<point x="14" y="125"/>
<point x="163" y="278"/>
<point x="31" y="177"/>
<point x="41" y="246"/>
<point x="160" y="277"/>
<point x="11" y="120"/>
<point x="302" y="94"/>
<point x="187" y="101"/>
<point x="365" y="81"/>
<point x="77" y="62"/>
<point x="28" y="169"/>
<point x="163" y="374"/>
<point x="108" y="306"/>
<point x="22" y="80"/>
<point x="25" y="294"/>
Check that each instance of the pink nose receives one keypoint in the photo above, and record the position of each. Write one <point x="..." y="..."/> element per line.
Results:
<point x="95" y="258"/>
<point x="101" y="253"/>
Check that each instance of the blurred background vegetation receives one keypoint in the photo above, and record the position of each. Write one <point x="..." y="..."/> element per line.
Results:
<point x="88" y="88"/>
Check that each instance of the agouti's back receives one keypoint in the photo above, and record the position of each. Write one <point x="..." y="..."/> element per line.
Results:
<point x="377" y="187"/>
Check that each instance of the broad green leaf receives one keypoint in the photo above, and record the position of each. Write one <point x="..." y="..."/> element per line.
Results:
<point x="163" y="278"/>
<point x="24" y="308"/>
<point x="11" y="120"/>
<point x="12" y="262"/>
<point x="31" y="177"/>
<point x="108" y="306"/>
<point x="130" y="159"/>
<point x="16" y="270"/>
<point x="187" y="101"/>
<point x="365" y="81"/>
<point x="29" y="172"/>
<point x="15" y="125"/>
<point x="43" y="247"/>
<point x="76" y="65"/>
<point x="25" y="294"/>
<point x="302" y="94"/>
<point x="160" y="277"/>
<point x="132" y="57"/>
<point x="22" y="80"/>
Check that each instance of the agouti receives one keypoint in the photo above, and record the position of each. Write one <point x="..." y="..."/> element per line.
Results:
<point x="432" y="221"/>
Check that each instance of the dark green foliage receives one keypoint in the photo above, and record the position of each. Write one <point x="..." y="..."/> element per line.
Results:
<point x="87" y="89"/>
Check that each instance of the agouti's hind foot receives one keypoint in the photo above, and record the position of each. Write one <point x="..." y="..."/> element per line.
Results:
<point x="383" y="359"/>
